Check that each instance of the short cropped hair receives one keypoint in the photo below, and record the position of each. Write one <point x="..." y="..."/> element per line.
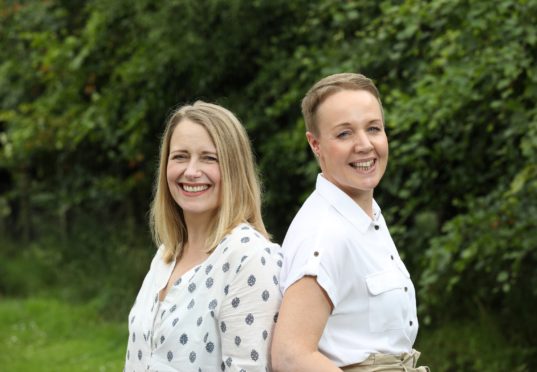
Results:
<point x="240" y="187"/>
<point x="330" y="85"/>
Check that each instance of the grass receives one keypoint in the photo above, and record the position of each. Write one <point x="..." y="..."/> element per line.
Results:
<point x="41" y="334"/>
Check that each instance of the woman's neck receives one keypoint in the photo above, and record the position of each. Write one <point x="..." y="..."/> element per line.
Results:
<point x="366" y="203"/>
<point x="198" y="230"/>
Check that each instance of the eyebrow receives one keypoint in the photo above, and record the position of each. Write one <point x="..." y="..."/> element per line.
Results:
<point x="343" y="124"/>
<point x="204" y="152"/>
<point x="347" y="124"/>
<point x="376" y="121"/>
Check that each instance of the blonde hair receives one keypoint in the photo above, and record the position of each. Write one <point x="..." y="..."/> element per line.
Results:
<point x="330" y="85"/>
<point x="240" y="187"/>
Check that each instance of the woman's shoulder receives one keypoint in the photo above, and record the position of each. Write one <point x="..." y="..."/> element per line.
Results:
<point x="158" y="258"/>
<point x="245" y="241"/>
<point x="310" y="229"/>
<point x="247" y="234"/>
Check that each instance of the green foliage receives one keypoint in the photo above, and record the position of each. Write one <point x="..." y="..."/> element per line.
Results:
<point x="27" y="272"/>
<point x="486" y="257"/>
<point x="479" y="345"/>
<point x="104" y="263"/>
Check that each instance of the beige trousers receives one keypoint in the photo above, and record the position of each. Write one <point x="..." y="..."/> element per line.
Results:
<point x="388" y="363"/>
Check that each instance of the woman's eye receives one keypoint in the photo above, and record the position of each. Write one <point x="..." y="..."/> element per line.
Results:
<point x="343" y="134"/>
<point x="179" y="157"/>
<point x="375" y="129"/>
<point x="211" y="158"/>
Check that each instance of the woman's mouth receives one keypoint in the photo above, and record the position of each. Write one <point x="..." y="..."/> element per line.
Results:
<point x="194" y="188"/>
<point x="363" y="165"/>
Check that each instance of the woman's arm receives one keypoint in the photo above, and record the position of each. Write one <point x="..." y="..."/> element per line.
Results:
<point x="303" y="315"/>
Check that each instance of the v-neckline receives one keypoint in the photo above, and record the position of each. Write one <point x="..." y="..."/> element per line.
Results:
<point x="181" y="278"/>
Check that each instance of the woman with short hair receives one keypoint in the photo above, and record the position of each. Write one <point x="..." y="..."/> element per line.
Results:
<point x="348" y="299"/>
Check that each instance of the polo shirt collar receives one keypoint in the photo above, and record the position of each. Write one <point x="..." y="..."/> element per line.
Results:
<point x="344" y="204"/>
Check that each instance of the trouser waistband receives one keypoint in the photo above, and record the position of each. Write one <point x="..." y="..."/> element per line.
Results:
<point x="387" y="363"/>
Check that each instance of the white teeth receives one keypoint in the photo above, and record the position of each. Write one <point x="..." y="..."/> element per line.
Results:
<point x="363" y="165"/>
<point x="195" y="188"/>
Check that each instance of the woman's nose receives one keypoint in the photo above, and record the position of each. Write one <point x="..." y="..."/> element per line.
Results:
<point x="362" y="142"/>
<point x="192" y="170"/>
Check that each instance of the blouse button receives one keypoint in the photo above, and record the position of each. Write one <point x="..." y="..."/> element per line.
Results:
<point x="410" y="323"/>
<point x="391" y="256"/>
<point x="315" y="253"/>
<point x="406" y="289"/>
<point x="377" y="227"/>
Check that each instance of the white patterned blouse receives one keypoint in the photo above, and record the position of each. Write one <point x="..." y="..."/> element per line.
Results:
<point x="217" y="316"/>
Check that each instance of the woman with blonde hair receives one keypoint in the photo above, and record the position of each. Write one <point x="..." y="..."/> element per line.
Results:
<point x="210" y="298"/>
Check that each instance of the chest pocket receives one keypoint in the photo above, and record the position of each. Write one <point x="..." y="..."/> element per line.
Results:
<point x="388" y="304"/>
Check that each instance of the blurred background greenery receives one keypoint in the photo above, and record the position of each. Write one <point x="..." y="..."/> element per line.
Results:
<point x="85" y="89"/>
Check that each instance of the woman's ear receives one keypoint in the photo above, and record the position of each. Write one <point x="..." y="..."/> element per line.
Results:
<point x="314" y="143"/>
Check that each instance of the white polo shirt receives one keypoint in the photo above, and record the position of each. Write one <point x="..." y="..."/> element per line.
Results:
<point x="357" y="264"/>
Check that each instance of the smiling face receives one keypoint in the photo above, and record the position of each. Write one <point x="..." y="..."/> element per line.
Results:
<point x="351" y="143"/>
<point x="193" y="172"/>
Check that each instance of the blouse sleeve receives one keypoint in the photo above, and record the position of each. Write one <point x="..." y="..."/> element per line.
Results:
<point x="250" y="310"/>
<point x="320" y="254"/>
